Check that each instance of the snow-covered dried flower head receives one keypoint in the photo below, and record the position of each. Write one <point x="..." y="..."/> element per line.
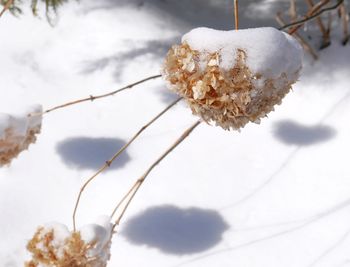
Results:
<point x="233" y="77"/>
<point x="54" y="245"/>
<point x="17" y="132"/>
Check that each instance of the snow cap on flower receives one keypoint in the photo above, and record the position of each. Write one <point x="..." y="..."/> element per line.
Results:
<point x="53" y="245"/>
<point x="233" y="77"/>
<point x="17" y="132"/>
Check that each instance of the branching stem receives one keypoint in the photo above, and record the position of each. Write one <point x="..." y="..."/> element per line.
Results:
<point x="314" y="13"/>
<point x="126" y="200"/>
<point x="116" y="155"/>
<point x="303" y="42"/>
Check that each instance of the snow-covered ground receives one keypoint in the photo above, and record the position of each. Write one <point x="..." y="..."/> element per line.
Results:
<point x="276" y="194"/>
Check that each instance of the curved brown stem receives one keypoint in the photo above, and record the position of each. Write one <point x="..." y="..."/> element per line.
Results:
<point x="116" y="155"/>
<point x="314" y="13"/>
<point x="136" y="186"/>
<point x="92" y="98"/>
<point x="302" y="41"/>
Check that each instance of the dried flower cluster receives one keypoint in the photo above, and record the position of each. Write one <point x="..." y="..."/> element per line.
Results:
<point x="55" y="246"/>
<point x="16" y="136"/>
<point x="231" y="98"/>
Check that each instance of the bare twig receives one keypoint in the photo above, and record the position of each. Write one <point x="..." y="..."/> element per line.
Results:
<point x="92" y="98"/>
<point x="293" y="10"/>
<point x="6" y="7"/>
<point x="236" y="14"/>
<point x="345" y="19"/>
<point x="116" y="155"/>
<point x="132" y="192"/>
<point x="325" y="33"/>
<point x="308" y="17"/>
<point x="311" y="12"/>
<point x="329" y="24"/>
<point x="302" y="41"/>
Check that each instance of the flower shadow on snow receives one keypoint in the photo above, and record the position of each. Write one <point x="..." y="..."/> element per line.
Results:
<point x="152" y="50"/>
<point x="292" y="133"/>
<point x="176" y="231"/>
<point x="179" y="17"/>
<point x="166" y="95"/>
<point x="186" y="14"/>
<point x="91" y="153"/>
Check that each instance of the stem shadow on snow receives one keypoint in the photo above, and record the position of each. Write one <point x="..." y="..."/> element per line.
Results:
<point x="91" y="153"/>
<point x="175" y="230"/>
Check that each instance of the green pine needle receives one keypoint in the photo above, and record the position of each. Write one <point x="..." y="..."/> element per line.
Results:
<point x="51" y="7"/>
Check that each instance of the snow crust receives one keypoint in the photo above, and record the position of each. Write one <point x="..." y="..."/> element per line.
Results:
<point x="270" y="52"/>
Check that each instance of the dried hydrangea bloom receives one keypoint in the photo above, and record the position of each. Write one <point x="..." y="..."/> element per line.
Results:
<point x="55" y="246"/>
<point x="233" y="77"/>
<point x="17" y="133"/>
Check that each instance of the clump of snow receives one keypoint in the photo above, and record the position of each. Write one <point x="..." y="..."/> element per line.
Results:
<point x="17" y="132"/>
<point x="100" y="234"/>
<point x="270" y="52"/>
<point x="54" y="245"/>
<point x="233" y="77"/>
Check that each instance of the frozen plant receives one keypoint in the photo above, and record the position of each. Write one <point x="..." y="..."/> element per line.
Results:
<point x="229" y="77"/>
<point x="17" y="132"/>
<point x="233" y="77"/>
<point x="53" y="245"/>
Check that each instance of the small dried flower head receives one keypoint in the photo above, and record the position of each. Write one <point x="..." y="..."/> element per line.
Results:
<point x="17" y="133"/>
<point x="55" y="246"/>
<point x="233" y="77"/>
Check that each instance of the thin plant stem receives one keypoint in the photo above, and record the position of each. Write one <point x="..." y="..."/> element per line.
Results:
<point x="92" y="98"/>
<point x="124" y="198"/>
<point x="136" y="186"/>
<point x="314" y="9"/>
<point x="302" y="41"/>
<point x="309" y="17"/>
<point x="116" y="155"/>
<point x="324" y="31"/>
<point x="236" y="14"/>
<point x="6" y="7"/>
<point x="293" y="10"/>
<point x="345" y="20"/>
<point x="329" y="22"/>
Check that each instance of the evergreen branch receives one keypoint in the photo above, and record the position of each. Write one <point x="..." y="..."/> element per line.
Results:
<point x="50" y="5"/>
<point x="7" y="6"/>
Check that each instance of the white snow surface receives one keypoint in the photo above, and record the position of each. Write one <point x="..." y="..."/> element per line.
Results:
<point x="269" y="51"/>
<point x="281" y="188"/>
